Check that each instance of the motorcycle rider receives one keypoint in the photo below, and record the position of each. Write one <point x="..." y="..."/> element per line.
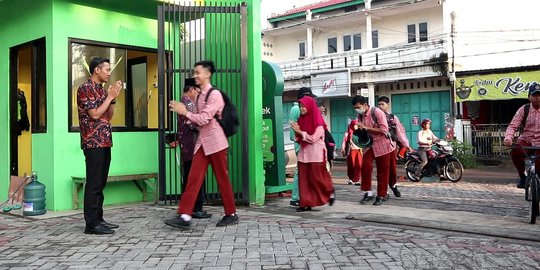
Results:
<point x="426" y="138"/>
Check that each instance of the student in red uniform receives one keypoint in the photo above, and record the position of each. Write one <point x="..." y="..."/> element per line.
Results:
<point x="211" y="148"/>
<point x="381" y="150"/>
<point x="353" y="153"/>
<point x="314" y="180"/>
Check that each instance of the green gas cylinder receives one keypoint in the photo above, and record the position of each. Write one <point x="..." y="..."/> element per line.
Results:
<point x="34" y="197"/>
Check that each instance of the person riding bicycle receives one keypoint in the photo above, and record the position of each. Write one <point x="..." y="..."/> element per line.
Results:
<point x="527" y="120"/>
<point x="426" y="138"/>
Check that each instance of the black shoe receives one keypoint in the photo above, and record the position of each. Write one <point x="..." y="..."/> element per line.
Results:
<point x="109" y="225"/>
<point x="179" y="223"/>
<point x="99" y="229"/>
<point x="386" y="198"/>
<point x="201" y="214"/>
<point x="395" y="191"/>
<point x="366" y="198"/>
<point x="379" y="201"/>
<point x="521" y="183"/>
<point x="228" y="220"/>
<point x="294" y="203"/>
<point x="303" y="209"/>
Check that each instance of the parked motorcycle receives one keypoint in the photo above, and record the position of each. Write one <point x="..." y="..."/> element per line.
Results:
<point x="441" y="163"/>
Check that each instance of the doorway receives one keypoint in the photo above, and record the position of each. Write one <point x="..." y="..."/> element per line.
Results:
<point x="28" y="111"/>
<point x="137" y="86"/>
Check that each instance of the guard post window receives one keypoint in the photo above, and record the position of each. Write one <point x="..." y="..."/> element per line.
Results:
<point x="136" y="106"/>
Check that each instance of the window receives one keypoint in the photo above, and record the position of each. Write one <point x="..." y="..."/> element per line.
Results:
<point x="375" y="39"/>
<point x="352" y="42"/>
<point x="422" y="28"/>
<point x="347" y="43"/>
<point x="411" y="33"/>
<point x="332" y="45"/>
<point x="302" y="49"/>
<point x="136" y="108"/>
<point x="357" y="41"/>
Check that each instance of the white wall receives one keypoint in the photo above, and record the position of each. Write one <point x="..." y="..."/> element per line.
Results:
<point x="496" y="33"/>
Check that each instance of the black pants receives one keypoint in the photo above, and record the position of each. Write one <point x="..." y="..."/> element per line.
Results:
<point x="97" y="161"/>
<point x="185" y="174"/>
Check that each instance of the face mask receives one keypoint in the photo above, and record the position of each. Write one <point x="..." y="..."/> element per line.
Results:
<point x="360" y="111"/>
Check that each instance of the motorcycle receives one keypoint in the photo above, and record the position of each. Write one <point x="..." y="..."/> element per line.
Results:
<point x="441" y="163"/>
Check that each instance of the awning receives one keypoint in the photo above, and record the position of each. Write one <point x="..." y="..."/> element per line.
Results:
<point x="495" y="86"/>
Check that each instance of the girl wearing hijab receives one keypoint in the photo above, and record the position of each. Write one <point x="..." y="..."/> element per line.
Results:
<point x="353" y="153"/>
<point x="314" y="181"/>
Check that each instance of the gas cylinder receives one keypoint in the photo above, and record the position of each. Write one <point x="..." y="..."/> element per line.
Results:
<point x="34" y="197"/>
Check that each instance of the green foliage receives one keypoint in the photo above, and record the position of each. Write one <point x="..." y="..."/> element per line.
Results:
<point x="464" y="153"/>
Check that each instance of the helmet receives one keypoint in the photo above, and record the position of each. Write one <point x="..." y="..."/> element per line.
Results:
<point x="425" y="121"/>
<point x="362" y="138"/>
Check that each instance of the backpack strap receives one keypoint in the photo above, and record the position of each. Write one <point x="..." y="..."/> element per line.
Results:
<point x="373" y="116"/>
<point x="526" y="109"/>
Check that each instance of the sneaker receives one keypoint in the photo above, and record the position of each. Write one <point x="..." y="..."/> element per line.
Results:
<point x="179" y="223"/>
<point x="395" y="191"/>
<point x="521" y="182"/>
<point x="350" y="182"/>
<point x="227" y="220"/>
<point x="294" y="203"/>
<point x="357" y="183"/>
<point x="366" y="198"/>
<point x="379" y="201"/>
<point x="303" y="209"/>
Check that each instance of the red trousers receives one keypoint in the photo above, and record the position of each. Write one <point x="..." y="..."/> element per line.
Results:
<point x="393" y="168"/>
<point x="383" y="172"/>
<point x="518" y="158"/>
<point x="198" y="170"/>
<point x="354" y="165"/>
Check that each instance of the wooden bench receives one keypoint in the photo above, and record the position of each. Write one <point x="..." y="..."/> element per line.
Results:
<point x="141" y="180"/>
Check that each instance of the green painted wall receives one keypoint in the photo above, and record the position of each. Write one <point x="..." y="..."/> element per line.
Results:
<point x="56" y="155"/>
<point x="16" y="30"/>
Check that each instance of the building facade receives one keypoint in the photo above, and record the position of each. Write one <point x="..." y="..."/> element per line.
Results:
<point x="411" y="51"/>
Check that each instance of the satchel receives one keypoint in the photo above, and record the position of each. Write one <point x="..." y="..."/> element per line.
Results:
<point x="347" y="149"/>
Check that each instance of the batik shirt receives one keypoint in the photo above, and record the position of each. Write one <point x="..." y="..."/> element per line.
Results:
<point x="94" y="133"/>
<point x="187" y="132"/>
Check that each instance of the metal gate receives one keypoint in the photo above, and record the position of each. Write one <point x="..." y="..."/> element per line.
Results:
<point x="188" y="33"/>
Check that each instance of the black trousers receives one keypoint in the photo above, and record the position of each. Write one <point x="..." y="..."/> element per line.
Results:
<point x="185" y="174"/>
<point x="97" y="162"/>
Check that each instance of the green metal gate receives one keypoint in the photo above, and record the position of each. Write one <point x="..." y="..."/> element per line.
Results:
<point x="188" y="34"/>
<point x="412" y="108"/>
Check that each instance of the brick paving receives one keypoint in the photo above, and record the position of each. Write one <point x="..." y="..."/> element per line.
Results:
<point x="274" y="236"/>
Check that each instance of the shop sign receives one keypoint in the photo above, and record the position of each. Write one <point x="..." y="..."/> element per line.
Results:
<point x="334" y="83"/>
<point x="495" y="86"/>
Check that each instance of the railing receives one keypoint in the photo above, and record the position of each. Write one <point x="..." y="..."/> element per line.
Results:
<point x="408" y="55"/>
<point x="487" y="140"/>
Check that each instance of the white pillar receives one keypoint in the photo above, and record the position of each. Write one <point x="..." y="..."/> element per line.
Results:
<point x="309" y="36"/>
<point x="369" y="30"/>
<point x="371" y="94"/>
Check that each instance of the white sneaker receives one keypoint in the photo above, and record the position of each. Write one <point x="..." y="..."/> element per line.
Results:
<point x="350" y="182"/>
<point x="357" y="183"/>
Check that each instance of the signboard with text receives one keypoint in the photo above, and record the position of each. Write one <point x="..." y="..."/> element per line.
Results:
<point x="495" y="86"/>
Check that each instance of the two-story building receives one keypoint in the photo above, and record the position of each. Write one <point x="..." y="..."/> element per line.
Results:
<point x="410" y="51"/>
<point x="343" y="48"/>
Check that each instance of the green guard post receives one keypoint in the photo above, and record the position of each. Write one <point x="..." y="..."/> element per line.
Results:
<point x="273" y="148"/>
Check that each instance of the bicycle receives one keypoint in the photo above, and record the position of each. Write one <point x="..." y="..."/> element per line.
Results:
<point x="532" y="181"/>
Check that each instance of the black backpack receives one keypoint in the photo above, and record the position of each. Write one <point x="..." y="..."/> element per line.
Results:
<point x="392" y="126"/>
<point x="229" y="120"/>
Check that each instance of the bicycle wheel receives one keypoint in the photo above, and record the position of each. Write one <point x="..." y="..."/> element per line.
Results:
<point x="533" y="195"/>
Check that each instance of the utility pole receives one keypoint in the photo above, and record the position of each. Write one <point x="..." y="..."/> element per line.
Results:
<point x="452" y="74"/>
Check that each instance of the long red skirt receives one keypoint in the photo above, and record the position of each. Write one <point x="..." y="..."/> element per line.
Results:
<point x="314" y="184"/>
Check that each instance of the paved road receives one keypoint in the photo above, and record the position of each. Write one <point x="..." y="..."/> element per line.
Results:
<point x="473" y="224"/>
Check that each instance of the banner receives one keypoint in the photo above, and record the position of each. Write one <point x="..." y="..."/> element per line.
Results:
<point x="495" y="86"/>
